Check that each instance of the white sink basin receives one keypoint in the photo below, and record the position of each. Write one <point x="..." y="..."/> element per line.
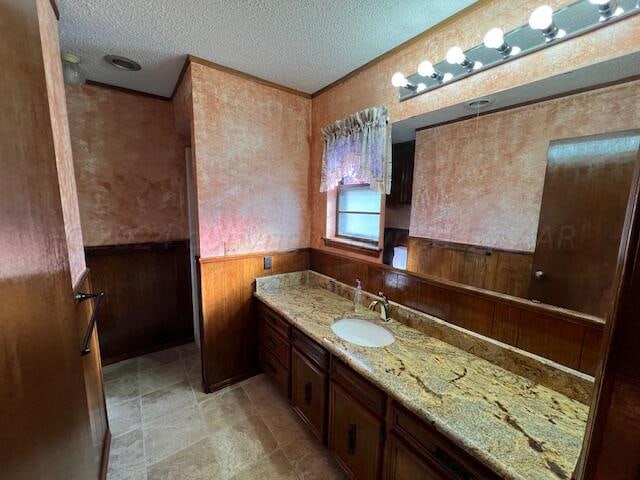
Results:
<point x="362" y="332"/>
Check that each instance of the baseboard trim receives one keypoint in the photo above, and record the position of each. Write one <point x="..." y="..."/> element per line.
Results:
<point x="230" y="381"/>
<point x="144" y="351"/>
<point x="106" y="448"/>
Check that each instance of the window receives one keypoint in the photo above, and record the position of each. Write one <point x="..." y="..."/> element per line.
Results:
<point x="358" y="213"/>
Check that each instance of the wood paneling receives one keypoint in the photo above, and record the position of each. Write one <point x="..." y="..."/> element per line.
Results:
<point x="229" y="327"/>
<point x="570" y="338"/>
<point x="45" y="430"/>
<point x="498" y="270"/>
<point x="147" y="302"/>
<point x="612" y="441"/>
<point x="92" y="370"/>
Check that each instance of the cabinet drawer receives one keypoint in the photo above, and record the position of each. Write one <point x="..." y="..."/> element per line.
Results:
<point x="275" y="370"/>
<point x="274" y="342"/>
<point x="273" y="319"/>
<point x="309" y="393"/>
<point x="367" y="393"/>
<point x="401" y="463"/>
<point x="435" y="447"/>
<point x="355" y="435"/>
<point x="311" y="349"/>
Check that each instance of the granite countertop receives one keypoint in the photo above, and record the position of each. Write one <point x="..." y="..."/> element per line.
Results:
<point x="520" y="429"/>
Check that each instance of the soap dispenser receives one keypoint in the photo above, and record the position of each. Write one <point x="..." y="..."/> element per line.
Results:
<point x="357" y="296"/>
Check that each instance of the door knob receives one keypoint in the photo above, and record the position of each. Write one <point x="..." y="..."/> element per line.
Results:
<point x="539" y="275"/>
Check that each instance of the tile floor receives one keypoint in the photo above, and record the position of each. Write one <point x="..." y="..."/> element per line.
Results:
<point x="164" y="427"/>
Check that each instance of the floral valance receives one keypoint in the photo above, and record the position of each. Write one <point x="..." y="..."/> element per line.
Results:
<point x="357" y="149"/>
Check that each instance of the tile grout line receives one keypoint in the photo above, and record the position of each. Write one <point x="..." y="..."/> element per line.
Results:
<point x="199" y="412"/>
<point x="208" y="436"/>
<point x="144" y="452"/>
<point x="280" y="447"/>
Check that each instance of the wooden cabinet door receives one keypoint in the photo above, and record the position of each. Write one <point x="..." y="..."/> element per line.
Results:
<point x="309" y="393"/>
<point x="402" y="161"/>
<point x="355" y="435"/>
<point x="403" y="464"/>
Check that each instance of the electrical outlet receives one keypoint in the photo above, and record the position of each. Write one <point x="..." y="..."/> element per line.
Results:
<point x="268" y="263"/>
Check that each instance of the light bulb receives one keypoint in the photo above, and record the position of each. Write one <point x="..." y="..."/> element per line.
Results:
<point x="398" y="80"/>
<point x="425" y="69"/>
<point x="494" y="38"/>
<point x="541" y="18"/>
<point x="607" y="9"/>
<point x="455" y="56"/>
<point x="447" y="77"/>
<point x="421" y="87"/>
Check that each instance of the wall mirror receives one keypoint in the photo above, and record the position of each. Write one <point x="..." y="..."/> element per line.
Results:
<point x="523" y="193"/>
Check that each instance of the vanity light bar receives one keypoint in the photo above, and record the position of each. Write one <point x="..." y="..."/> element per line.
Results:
<point x="545" y="27"/>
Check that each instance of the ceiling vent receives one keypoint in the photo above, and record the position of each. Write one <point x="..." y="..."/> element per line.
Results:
<point x="122" y="63"/>
<point x="479" y="103"/>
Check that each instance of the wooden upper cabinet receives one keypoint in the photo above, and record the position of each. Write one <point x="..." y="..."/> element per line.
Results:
<point x="401" y="173"/>
<point x="309" y="393"/>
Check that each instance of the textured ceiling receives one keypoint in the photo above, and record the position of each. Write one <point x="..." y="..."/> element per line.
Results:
<point x="302" y="44"/>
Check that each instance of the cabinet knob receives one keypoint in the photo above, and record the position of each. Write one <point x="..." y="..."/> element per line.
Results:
<point x="539" y="275"/>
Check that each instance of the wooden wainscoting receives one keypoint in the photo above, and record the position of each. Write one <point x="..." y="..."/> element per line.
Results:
<point x="567" y="337"/>
<point x="229" y="327"/>
<point x="147" y="304"/>
<point x="92" y="369"/>
<point x="502" y="271"/>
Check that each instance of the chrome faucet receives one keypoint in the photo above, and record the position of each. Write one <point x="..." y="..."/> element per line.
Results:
<point x="384" y="307"/>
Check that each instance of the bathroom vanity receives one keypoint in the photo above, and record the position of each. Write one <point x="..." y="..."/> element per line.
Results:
<point x="420" y="407"/>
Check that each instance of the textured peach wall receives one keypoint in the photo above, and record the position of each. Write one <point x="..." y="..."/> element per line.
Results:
<point x="61" y="138"/>
<point x="251" y="147"/>
<point x="480" y="181"/>
<point x="372" y="85"/>
<point x="130" y="168"/>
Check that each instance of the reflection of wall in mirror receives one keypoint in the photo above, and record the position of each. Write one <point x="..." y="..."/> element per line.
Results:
<point x="479" y="182"/>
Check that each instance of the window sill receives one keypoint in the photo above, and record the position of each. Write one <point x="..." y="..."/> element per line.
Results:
<point x="362" y="248"/>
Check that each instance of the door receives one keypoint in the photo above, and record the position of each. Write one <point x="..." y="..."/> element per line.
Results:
<point x="92" y="371"/>
<point x="45" y="431"/>
<point x="584" y="202"/>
